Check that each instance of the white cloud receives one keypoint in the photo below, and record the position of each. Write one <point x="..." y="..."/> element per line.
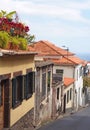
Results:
<point x="65" y="10"/>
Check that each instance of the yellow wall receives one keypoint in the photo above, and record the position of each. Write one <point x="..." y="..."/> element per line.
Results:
<point x="20" y="111"/>
<point x="12" y="64"/>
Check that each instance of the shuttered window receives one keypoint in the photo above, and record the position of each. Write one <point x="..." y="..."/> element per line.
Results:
<point x="43" y="84"/>
<point x="17" y="93"/>
<point x="49" y="81"/>
<point x="70" y="93"/>
<point x="67" y="96"/>
<point x="22" y="88"/>
<point x="29" y="84"/>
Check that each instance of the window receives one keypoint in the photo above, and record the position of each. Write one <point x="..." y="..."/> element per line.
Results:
<point x="81" y="73"/>
<point x="16" y="91"/>
<point x="67" y="96"/>
<point x="58" y="93"/>
<point x="43" y="84"/>
<point x="22" y="88"/>
<point x="77" y="74"/>
<point x="70" y="93"/>
<point x="28" y="85"/>
<point x="49" y="81"/>
<point x="59" y="71"/>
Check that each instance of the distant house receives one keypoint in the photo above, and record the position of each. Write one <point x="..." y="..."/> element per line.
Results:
<point x="45" y="53"/>
<point x="43" y="91"/>
<point x="65" y="63"/>
<point x="57" y="95"/>
<point x="72" y="67"/>
<point x="68" y="94"/>
<point x="16" y="86"/>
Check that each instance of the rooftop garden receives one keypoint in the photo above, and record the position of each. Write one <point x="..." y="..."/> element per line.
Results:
<point x="13" y="33"/>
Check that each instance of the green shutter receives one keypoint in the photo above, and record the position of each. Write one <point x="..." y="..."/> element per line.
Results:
<point x="13" y="92"/>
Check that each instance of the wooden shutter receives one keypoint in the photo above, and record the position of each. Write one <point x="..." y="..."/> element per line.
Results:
<point x="33" y="81"/>
<point x="13" y="92"/>
<point x="26" y="88"/>
<point x="24" y="78"/>
<point x="21" y="88"/>
<point x="6" y="104"/>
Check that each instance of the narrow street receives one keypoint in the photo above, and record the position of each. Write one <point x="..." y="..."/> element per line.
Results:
<point x="77" y="121"/>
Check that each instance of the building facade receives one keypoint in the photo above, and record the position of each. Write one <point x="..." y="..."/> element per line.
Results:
<point x="16" y="86"/>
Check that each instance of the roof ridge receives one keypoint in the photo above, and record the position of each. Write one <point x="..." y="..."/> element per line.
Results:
<point x="51" y="47"/>
<point x="44" y="42"/>
<point x="70" y="60"/>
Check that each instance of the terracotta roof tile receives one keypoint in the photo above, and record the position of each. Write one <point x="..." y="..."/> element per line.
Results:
<point x="48" y="48"/>
<point x="73" y="60"/>
<point x="68" y="81"/>
<point x="63" y="61"/>
<point x="77" y="60"/>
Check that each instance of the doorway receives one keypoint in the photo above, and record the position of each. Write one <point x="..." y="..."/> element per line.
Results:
<point x="64" y="108"/>
<point x="5" y="110"/>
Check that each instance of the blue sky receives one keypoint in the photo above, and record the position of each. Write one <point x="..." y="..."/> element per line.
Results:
<point x="63" y="22"/>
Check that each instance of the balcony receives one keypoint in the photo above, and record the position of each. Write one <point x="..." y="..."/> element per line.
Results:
<point x="57" y="78"/>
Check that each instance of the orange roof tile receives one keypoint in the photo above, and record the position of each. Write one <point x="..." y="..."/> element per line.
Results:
<point x="77" y="60"/>
<point x="72" y="60"/>
<point x="68" y="81"/>
<point x="48" y="48"/>
<point x="63" y="61"/>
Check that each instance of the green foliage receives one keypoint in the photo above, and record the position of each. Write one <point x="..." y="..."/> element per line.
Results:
<point x="22" y="43"/>
<point x="18" y="42"/>
<point x="7" y="15"/>
<point x="30" y="38"/>
<point x="9" y="39"/>
<point x="10" y="15"/>
<point x="4" y="39"/>
<point x="86" y="81"/>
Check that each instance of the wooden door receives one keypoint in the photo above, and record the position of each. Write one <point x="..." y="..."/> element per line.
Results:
<point x="6" y="104"/>
<point x="1" y="106"/>
<point x="64" y="109"/>
<point x="4" y="108"/>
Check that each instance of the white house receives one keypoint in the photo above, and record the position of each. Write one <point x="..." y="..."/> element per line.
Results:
<point x="72" y="67"/>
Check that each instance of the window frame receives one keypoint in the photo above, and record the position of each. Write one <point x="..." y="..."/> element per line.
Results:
<point x="67" y="96"/>
<point x="48" y="81"/>
<point x="70" y="93"/>
<point x="17" y="91"/>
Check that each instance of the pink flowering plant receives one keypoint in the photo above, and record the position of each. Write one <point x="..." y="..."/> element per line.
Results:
<point x="13" y="34"/>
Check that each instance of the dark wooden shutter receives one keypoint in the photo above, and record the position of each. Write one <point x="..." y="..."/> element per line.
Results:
<point x="24" y="78"/>
<point x="33" y="81"/>
<point x="26" y="88"/>
<point x="21" y="88"/>
<point x="13" y="92"/>
<point x="6" y="104"/>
